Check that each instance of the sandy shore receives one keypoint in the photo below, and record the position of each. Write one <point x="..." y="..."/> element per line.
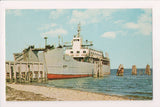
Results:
<point x="17" y="95"/>
<point x="42" y="93"/>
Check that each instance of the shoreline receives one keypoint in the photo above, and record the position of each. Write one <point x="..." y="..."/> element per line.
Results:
<point x="44" y="93"/>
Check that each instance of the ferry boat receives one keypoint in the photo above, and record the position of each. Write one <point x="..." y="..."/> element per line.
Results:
<point x="73" y="60"/>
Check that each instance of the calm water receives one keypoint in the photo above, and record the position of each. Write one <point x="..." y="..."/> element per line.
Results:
<point x="136" y="87"/>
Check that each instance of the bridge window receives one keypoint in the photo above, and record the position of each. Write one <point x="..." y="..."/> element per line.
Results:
<point x="84" y="51"/>
<point x="76" y="40"/>
<point x="78" y="51"/>
<point x="71" y="51"/>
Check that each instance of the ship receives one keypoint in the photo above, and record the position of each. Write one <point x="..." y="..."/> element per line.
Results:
<point x="68" y="60"/>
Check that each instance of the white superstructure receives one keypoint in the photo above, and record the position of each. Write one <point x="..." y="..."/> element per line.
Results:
<point x="77" y="50"/>
<point x="80" y="49"/>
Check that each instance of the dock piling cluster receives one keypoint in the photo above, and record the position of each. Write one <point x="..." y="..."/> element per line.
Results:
<point x="98" y="69"/>
<point x="120" y="70"/>
<point x="25" y="72"/>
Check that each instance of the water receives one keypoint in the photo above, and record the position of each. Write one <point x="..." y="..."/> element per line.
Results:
<point x="137" y="87"/>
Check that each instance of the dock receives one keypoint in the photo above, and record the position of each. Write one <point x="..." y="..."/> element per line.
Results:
<point x="25" y="72"/>
<point x="98" y="69"/>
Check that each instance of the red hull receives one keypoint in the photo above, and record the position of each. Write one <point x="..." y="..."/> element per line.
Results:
<point x="62" y="76"/>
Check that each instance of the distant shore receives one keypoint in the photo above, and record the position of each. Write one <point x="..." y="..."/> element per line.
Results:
<point x="19" y="92"/>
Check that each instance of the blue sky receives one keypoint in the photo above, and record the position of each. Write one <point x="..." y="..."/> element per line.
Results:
<point x="125" y="34"/>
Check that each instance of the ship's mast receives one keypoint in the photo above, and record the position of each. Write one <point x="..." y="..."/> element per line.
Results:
<point x="59" y="40"/>
<point x="45" y="41"/>
<point x="79" y="29"/>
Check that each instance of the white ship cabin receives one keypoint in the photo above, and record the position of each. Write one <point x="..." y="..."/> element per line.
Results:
<point x="81" y="51"/>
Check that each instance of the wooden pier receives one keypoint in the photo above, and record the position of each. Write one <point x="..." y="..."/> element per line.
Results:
<point x="25" y="72"/>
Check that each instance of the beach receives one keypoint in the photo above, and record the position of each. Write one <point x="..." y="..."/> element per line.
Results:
<point x="25" y="92"/>
<point x="18" y="95"/>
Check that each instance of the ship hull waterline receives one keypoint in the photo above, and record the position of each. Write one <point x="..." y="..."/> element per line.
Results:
<point x="63" y="76"/>
<point x="68" y="76"/>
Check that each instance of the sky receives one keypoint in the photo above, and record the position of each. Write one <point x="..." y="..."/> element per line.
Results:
<point x="125" y="34"/>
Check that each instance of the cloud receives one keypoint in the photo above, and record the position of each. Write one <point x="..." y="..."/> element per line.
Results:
<point x="131" y="25"/>
<point x="145" y="28"/>
<point x="83" y="16"/>
<point x="144" y="23"/>
<point x="47" y="26"/>
<point x="14" y="12"/>
<point x="55" y="33"/>
<point x="118" y="21"/>
<point x="122" y="33"/>
<point x="58" y="13"/>
<point x="111" y="35"/>
<point x="146" y="17"/>
<point x="90" y="16"/>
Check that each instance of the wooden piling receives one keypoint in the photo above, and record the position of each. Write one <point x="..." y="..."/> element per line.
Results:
<point x="98" y="72"/>
<point x="134" y="70"/>
<point x="10" y="73"/>
<point x="95" y="70"/>
<point x="148" y="71"/>
<point x="141" y="72"/>
<point x="100" y="69"/>
<point x="14" y="71"/>
<point x="20" y="77"/>
<point x="120" y="70"/>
